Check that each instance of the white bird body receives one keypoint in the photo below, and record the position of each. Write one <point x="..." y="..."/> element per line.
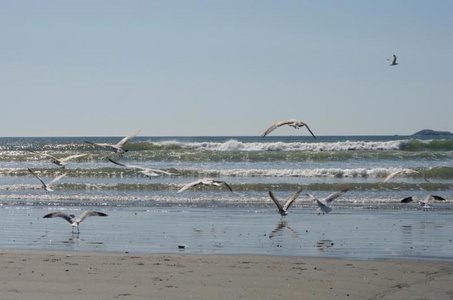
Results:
<point x="73" y="220"/>
<point x="323" y="205"/>
<point x="394" y="63"/>
<point x="61" y="162"/>
<point x="205" y="181"/>
<point x="148" y="172"/>
<point x="291" y="122"/>
<point x="407" y="172"/>
<point x="425" y="202"/>
<point x="47" y="187"/>
<point x="283" y="210"/>
<point x="117" y="148"/>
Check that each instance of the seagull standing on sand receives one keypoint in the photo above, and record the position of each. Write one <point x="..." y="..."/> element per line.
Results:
<point x="117" y="148"/>
<point x="323" y="205"/>
<point x="291" y="122"/>
<point x="61" y="162"/>
<point x="425" y="202"/>
<point x="394" y="63"/>
<point x="148" y="172"/>
<point x="407" y="172"/>
<point x="205" y="181"/>
<point x="47" y="187"/>
<point x="73" y="220"/>
<point x="283" y="210"/>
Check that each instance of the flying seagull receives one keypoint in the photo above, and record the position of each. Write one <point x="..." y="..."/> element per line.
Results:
<point x="73" y="220"/>
<point x="205" y="181"/>
<point x="425" y="202"/>
<point x="291" y="122"/>
<point x="409" y="172"/>
<point x="148" y="172"/>
<point x="47" y="187"/>
<point x="283" y="210"/>
<point x="394" y="63"/>
<point x="323" y="205"/>
<point x="61" y="162"/>
<point x="117" y="148"/>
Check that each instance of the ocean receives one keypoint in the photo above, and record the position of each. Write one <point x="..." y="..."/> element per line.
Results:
<point x="210" y="219"/>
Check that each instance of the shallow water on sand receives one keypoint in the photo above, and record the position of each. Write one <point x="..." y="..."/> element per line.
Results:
<point x="361" y="233"/>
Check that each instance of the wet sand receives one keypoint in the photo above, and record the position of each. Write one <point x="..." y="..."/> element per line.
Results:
<point x="87" y="275"/>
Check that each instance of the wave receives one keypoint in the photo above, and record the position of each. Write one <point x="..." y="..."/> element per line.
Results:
<point x="433" y="173"/>
<point x="237" y="187"/>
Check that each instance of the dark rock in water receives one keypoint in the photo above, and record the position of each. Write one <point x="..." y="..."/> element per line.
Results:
<point x="432" y="132"/>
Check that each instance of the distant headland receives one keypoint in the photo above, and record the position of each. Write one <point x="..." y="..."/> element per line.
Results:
<point x="432" y="132"/>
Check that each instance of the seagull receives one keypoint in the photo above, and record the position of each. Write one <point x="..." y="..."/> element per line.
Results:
<point x="117" y="148"/>
<point x="409" y="172"/>
<point x="291" y="122"/>
<point x="61" y="162"/>
<point x="323" y="204"/>
<point x="148" y="172"/>
<point x="47" y="187"/>
<point x="73" y="220"/>
<point x="283" y="210"/>
<point x="394" y="63"/>
<point x="205" y="181"/>
<point x="425" y="202"/>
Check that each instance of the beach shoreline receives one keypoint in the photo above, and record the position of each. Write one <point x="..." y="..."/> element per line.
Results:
<point x="99" y="275"/>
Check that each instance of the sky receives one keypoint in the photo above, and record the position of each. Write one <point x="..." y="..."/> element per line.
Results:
<point x="224" y="68"/>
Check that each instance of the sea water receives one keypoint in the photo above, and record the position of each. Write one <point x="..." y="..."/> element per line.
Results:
<point x="147" y="215"/>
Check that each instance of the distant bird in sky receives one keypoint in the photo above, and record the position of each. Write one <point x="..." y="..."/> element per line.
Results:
<point x="73" y="220"/>
<point x="61" y="162"/>
<point x="148" y="172"/>
<point x="47" y="187"/>
<point x="394" y="63"/>
<point x="323" y="205"/>
<point x="291" y="122"/>
<point x="407" y="172"/>
<point x="425" y="202"/>
<point x="205" y="181"/>
<point x="283" y="210"/>
<point x="117" y="148"/>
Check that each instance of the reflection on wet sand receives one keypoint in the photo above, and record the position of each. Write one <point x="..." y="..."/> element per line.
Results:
<point x="280" y="226"/>
<point x="324" y="245"/>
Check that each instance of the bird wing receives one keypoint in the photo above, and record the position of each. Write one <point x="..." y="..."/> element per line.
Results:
<point x="394" y="59"/>
<point x="125" y="140"/>
<point x="310" y="130"/>
<point x="279" y="206"/>
<point x="290" y="201"/>
<point x="430" y="198"/>
<point x="36" y="176"/>
<point x="189" y="185"/>
<point x="55" y="180"/>
<point x="60" y="215"/>
<point x="334" y="196"/>
<point x="227" y="185"/>
<point x="90" y="213"/>
<point x="72" y="157"/>
<point x="119" y="164"/>
<point x="407" y="200"/>
<point x="276" y="125"/>
<point x="391" y="175"/>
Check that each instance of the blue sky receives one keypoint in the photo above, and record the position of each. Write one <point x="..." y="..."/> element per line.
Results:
<point x="182" y="68"/>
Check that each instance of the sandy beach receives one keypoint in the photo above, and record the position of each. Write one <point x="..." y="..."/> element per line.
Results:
<point x="86" y="275"/>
